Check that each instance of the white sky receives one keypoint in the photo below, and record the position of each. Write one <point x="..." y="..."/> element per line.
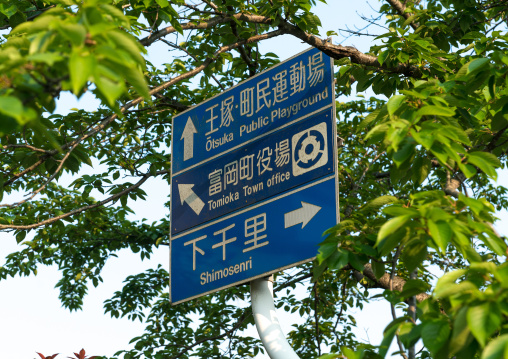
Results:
<point x="32" y="317"/>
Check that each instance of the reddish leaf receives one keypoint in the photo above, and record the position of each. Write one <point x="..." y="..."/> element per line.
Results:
<point x="81" y="355"/>
<point x="47" y="357"/>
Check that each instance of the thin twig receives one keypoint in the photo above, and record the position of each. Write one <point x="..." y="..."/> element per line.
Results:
<point x="51" y="178"/>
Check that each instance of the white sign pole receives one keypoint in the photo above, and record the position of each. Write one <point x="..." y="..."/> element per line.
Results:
<point x="267" y="324"/>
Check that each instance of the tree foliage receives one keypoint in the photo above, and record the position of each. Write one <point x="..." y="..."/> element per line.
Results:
<point x="420" y="151"/>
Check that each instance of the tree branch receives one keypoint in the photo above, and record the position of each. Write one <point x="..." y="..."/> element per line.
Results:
<point x="51" y="178"/>
<point x="237" y="325"/>
<point x="384" y="282"/>
<point x="84" y="208"/>
<point x="334" y="51"/>
<point x="401" y="9"/>
<point x="202" y="25"/>
<point x="493" y="142"/>
<point x="339" y="52"/>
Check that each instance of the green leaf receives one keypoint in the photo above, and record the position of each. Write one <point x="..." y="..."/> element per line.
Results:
<point x="425" y="138"/>
<point x="76" y="33"/>
<point x="379" y="202"/>
<point x="500" y="121"/>
<point x="394" y="103"/>
<point x="357" y="353"/>
<point x="391" y="226"/>
<point x="414" y="253"/>
<point x="468" y="170"/>
<point x="378" y="268"/>
<point x="338" y="259"/>
<point x="330" y="356"/>
<point x="371" y="117"/>
<point x="108" y="83"/>
<point x="398" y="210"/>
<point x="484" y="320"/>
<point x="464" y="287"/>
<point x="414" y="287"/>
<point x="12" y="107"/>
<point x="8" y="9"/>
<point x="377" y="134"/>
<point x="447" y="280"/>
<point x="435" y="334"/>
<point x="137" y="80"/>
<point x="326" y="249"/>
<point x="485" y="161"/>
<point x="403" y="154"/>
<point x="409" y="334"/>
<point x="497" y="349"/>
<point x="81" y="68"/>
<point x="388" y="335"/>
<point x="382" y="56"/>
<point x="115" y="13"/>
<point x="435" y="111"/>
<point x="420" y="169"/>
<point x="477" y="64"/>
<point x="129" y="44"/>
<point x="20" y="236"/>
<point x="461" y="335"/>
<point x="163" y="3"/>
<point x="441" y="232"/>
<point x="312" y="20"/>
<point x="410" y="19"/>
<point x="48" y="58"/>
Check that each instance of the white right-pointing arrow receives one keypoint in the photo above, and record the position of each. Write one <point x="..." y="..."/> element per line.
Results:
<point x="301" y="215"/>
<point x="188" y="195"/>
<point x="188" y="139"/>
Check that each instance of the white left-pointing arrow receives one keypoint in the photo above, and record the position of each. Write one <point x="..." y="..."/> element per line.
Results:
<point x="188" y="139"/>
<point x="188" y="195"/>
<point x="301" y="215"/>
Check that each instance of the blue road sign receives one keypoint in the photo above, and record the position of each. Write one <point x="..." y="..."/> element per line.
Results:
<point x="286" y="92"/>
<point x="253" y="181"/>
<point x="262" y="168"/>
<point x="272" y="235"/>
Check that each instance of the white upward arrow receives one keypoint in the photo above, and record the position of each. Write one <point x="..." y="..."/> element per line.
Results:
<point x="188" y="139"/>
<point x="188" y="195"/>
<point x="301" y="215"/>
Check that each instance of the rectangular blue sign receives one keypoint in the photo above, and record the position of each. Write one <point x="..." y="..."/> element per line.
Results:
<point x="288" y="158"/>
<point x="254" y="242"/>
<point x="288" y="91"/>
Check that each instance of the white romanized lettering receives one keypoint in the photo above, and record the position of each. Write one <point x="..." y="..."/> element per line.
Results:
<point x="248" y="190"/>
<point x="225" y="199"/>
<point x="208" y="277"/>
<point x="217" y="142"/>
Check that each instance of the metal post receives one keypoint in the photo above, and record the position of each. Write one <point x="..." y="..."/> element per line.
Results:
<point x="267" y="324"/>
